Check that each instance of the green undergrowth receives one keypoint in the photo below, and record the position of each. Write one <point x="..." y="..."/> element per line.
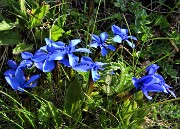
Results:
<point x="61" y="100"/>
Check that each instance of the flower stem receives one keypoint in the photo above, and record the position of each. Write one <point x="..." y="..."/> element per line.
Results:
<point x="90" y="85"/>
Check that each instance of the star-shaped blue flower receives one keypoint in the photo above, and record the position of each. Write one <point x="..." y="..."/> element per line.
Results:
<point x="122" y="34"/>
<point x="44" y="59"/>
<point x="69" y="59"/>
<point x="100" y="42"/>
<point x="87" y="64"/>
<point x="19" y="82"/>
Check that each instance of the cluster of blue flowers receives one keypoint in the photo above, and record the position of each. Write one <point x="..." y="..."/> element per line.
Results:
<point x="152" y="82"/>
<point x="44" y="59"/>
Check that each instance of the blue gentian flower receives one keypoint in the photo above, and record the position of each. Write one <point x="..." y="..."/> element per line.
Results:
<point x="100" y="42"/>
<point x="152" y="68"/>
<point x="151" y="83"/>
<point x="122" y="34"/>
<point x="25" y="63"/>
<point x="44" y="59"/>
<point x="51" y="46"/>
<point x="18" y="82"/>
<point x="69" y="59"/>
<point x="87" y="64"/>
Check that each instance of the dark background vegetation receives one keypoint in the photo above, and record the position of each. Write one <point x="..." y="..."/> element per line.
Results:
<point x="155" y="23"/>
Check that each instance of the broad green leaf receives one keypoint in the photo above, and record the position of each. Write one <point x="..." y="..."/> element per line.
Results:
<point x="38" y="15"/>
<point x="73" y="98"/>
<point x="6" y="26"/>
<point x="22" y="47"/>
<point x="56" y="32"/>
<point x="9" y="37"/>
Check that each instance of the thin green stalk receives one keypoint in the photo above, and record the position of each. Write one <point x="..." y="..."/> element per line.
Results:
<point x="131" y="41"/>
<point x="96" y="16"/>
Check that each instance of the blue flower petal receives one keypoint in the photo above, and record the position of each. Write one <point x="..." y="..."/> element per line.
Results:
<point x="29" y="63"/>
<point x="95" y="38"/>
<point x="100" y="63"/>
<point x="48" y="65"/>
<point x="115" y="29"/>
<point x="146" y="93"/>
<point x="43" y="48"/>
<point x="86" y="59"/>
<point x="30" y="86"/>
<point x="25" y="63"/>
<point x="56" y="56"/>
<point x="103" y="37"/>
<point x="48" y="41"/>
<point x="50" y="48"/>
<point x="147" y="80"/>
<point x="26" y="55"/>
<point x="124" y="31"/>
<point x="39" y="65"/>
<point x="58" y="45"/>
<point x="74" y="42"/>
<point x="94" y="44"/>
<point x="156" y="88"/>
<point x="12" y="64"/>
<point x="103" y="51"/>
<point x="159" y="78"/>
<point x="73" y="60"/>
<point x="83" y="67"/>
<point x="22" y="65"/>
<point x="12" y="82"/>
<point x="117" y="39"/>
<point x="83" y="50"/>
<point x="135" y="83"/>
<point x="111" y="47"/>
<point x="132" y="37"/>
<point x="33" y="78"/>
<point x="95" y="75"/>
<point x="40" y="56"/>
<point x="65" y="61"/>
<point x="19" y="76"/>
<point x="10" y="72"/>
<point x="152" y="69"/>
<point x="130" y="44"/>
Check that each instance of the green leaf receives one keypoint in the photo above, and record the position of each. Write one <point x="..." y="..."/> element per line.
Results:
<point x="176" y="37"/>
<point x="9" y="37"/>
<point x="22" y="47"/>
<point x="144" y="37"/>
<point x="56" y="32"/>
<point x="6" y="26"/>
<point x="73" y="98"/>
<point x="49" y="115"/>
<point x="38" y="15"/>
<point x="162" y="22"/>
